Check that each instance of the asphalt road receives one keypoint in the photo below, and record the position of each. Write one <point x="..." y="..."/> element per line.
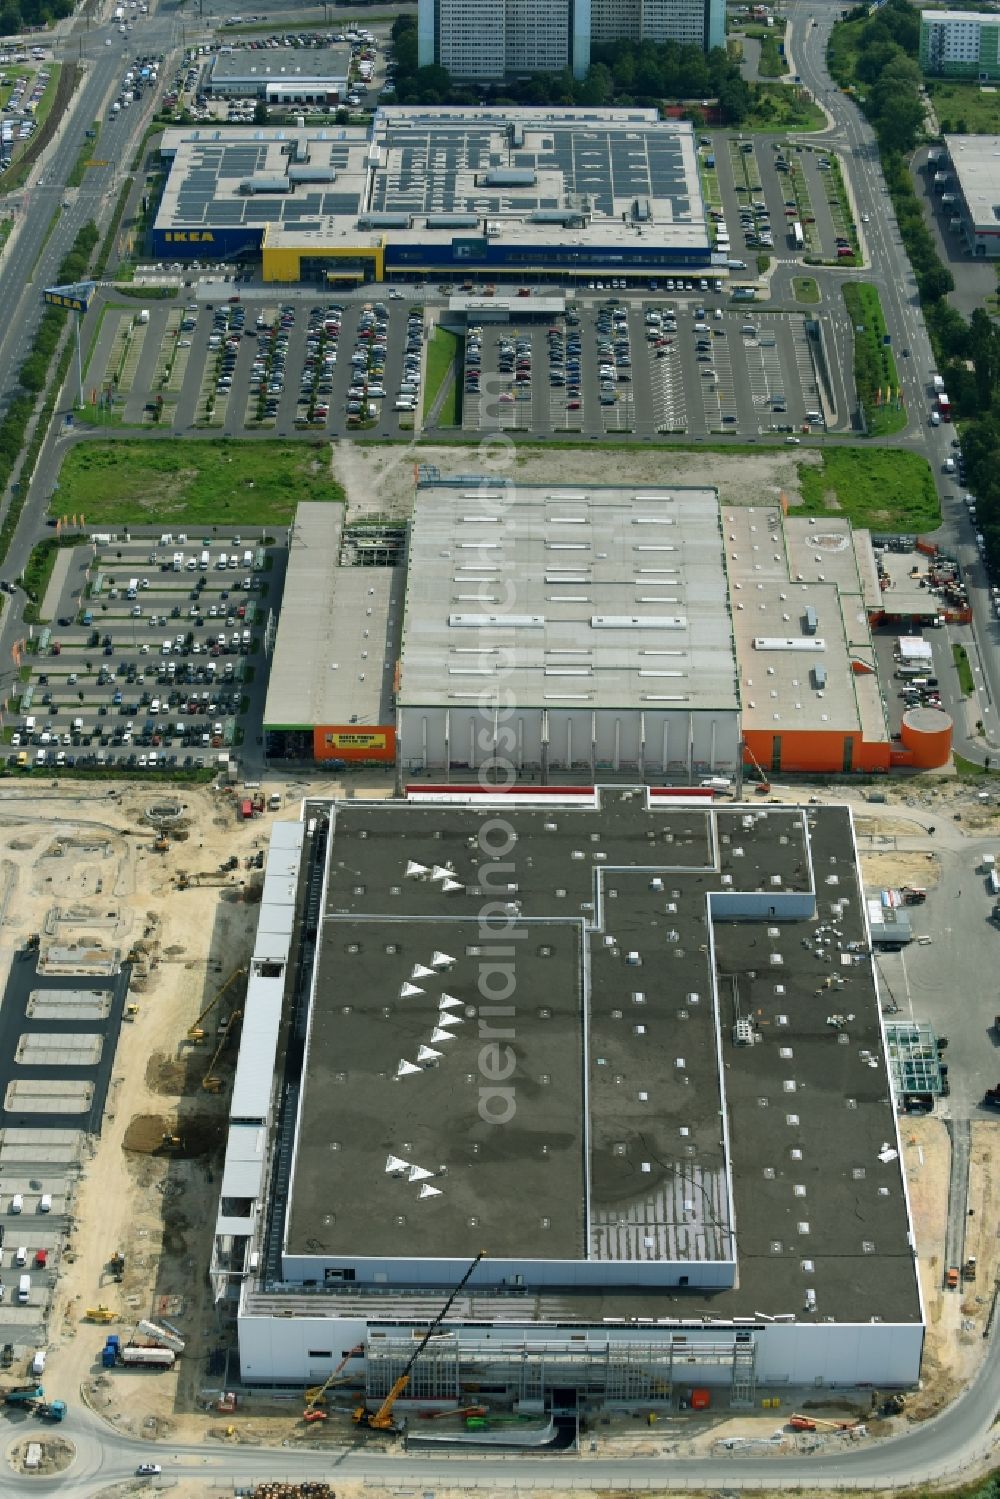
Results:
<point x="943" y="1448"/>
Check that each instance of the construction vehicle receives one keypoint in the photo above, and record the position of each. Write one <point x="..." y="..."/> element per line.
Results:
<point x="195" y="1032"/>
<point x="143" y="1357"/>
<point x="210" y="1082"/>
<point x="381" y="1420"/>
<point x="110" y="1351"/>
<point x="258" y="803"/>
<point x="99" y="1313"/>
<point x="22" y="1394"/>
<point x="116" y="1264"/>
<point x="316" y="1395"/>
<point x="51" y="1410"/>
<point x="991" y="1098"/>
<point x="162" y="844"/>
<point x="951" y="1278"/>
<point x="170" y="1142"/>
<point x="892" y="1404"/>
<point x="969" y="1269"/>
<point x="164" y="1336"/>
<point x="131" y="1011"/>
<point x="812" y="1423"/>
<point x="763" y="786"/>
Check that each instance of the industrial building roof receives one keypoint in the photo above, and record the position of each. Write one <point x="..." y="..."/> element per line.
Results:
<point x="594" y="597"/>
<point x="607" y="178"/>
<point x="256" y="66"/>
<point x="335" y="649"/>
<point x="800" y="594"/>
<point x="209" y="166"/>
<point x="686" y="1083"/>
<point x="974" y="159"/>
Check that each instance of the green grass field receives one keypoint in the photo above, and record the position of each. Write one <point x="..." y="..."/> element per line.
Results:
<point x="875" y="372"/>
<point x="47" y="100"/>
<point x="805" y="289"/>
<point x="883" y="488"/>
<point x="200" y="483"/>
<point x="965" y="108"/>
<point x="780" y="107"/>
<point x="442" y="352"/>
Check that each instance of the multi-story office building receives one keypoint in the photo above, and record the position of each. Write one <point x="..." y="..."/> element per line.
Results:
<point x="484" y="40"/>
<point x="700" y="22"/>
<point x="960" y="44"/>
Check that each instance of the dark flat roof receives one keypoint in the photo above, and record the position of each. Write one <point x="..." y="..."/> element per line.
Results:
<point x="616" y="1147"/>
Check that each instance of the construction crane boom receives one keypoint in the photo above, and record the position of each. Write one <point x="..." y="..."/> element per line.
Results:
<point x="195" y="1032"/>
<point x="315" y="1397"/>
<point x="381" y="1420"/>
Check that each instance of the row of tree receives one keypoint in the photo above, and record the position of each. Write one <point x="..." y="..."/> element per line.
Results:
<point x="22" y="15"/>
<point x="622" y="73"/>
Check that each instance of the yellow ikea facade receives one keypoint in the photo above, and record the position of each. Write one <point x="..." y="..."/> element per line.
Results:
<point x="283" y="262"/>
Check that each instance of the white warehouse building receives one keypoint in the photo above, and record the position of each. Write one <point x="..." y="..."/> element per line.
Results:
<point x="679" y="1154"/>
<point x="567" y="630"/>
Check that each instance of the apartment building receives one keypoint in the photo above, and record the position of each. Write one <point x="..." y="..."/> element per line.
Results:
<point x="482" y="40"/>
<point x="960" y="44"/>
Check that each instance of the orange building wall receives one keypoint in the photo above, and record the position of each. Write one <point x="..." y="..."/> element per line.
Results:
<point x="928" y="751"/>
<point x="810" y="750"/>
<point x="349" y="742"/>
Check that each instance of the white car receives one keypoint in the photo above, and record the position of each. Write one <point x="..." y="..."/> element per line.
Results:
<point x="148" y="1470"/>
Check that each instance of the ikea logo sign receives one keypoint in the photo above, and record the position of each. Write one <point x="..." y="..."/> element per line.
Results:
<point x="189" y="237"/>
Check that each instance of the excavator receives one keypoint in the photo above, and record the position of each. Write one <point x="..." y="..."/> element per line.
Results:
<point x="381" y="1420"/>
<point x="316" y="1396"/>
<point x="195" y="1033"/>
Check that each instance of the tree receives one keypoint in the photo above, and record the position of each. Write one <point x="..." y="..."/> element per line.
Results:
<point x="260" y="113"/>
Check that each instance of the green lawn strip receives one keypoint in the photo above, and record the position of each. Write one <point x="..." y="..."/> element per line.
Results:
<point x="968" y="767"/>
<point x="47" y="100"/>
<point x="771" y="64"/>
<point x="874" y="365"/>
<point x="6" y="226"/>
<point x="883" y="488"/>
<point x="201" y="483"/>
<point x="87" y="152"/>
<point x="442" y="354"/>
<point x="38" y="571"/>
<point x="805" y="289"/>
<point x="962" y="666"/>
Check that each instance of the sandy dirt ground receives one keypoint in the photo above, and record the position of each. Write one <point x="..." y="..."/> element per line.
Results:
<point x="154" y="1199"/>
<point x="379" y="481"/>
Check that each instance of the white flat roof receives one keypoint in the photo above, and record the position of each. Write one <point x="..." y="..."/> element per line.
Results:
<point x="591" y="596"/>
<point x="976" y="162"/>
<point x="793" y="677"/>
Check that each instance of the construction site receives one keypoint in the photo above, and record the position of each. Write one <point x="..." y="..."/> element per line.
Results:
<point x="135" y="1265"/>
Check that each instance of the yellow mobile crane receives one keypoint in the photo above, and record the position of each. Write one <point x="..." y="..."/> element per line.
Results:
<point x="316" y="1396"/>
<point x="195" y="1033"/>
<point x="381" y="1420"/>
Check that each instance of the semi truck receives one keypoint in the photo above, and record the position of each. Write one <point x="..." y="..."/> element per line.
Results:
<point x="161" y="1335"/>
<point x="153" y="1358"/>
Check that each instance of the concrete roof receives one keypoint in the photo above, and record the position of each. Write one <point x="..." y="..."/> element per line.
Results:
<point x="595" y="1160"/>
<point x="905" y="595"/>
<point x="254" y="66"/>
<point x="605" y="597"/>
<point x="976" y="162"/>
<point x="779" y="569"/>
<point x="334" y="653"/>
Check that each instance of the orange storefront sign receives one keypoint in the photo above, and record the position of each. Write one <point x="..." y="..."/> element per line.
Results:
<point x="348" y="742"/>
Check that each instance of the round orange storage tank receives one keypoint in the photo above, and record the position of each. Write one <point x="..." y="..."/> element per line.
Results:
<point x="926" y="732"/>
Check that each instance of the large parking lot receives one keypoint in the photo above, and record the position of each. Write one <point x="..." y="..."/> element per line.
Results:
<point x="266" y="365"/>
<point x="653" y="367"/>
<point x="151" y="657"/>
